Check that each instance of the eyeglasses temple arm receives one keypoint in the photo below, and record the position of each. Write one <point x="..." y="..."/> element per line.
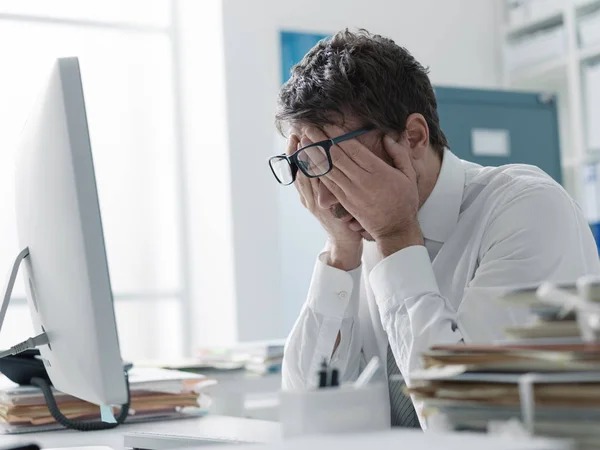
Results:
<point x="351" y="135"/>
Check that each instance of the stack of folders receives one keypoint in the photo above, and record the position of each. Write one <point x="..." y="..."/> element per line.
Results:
<point x="260" y="357"/>
<point x="546" y="44"/>
<point x="589" y="29"/>
<point x="265" y="359"/>
<point x="549" y="323"/>
<point x="156" y="394"/>
<point x="544" y="376"/>
<point x="520" y="11"/>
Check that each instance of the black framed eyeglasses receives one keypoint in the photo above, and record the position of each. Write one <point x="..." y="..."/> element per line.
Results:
<point x="314" y="160"/>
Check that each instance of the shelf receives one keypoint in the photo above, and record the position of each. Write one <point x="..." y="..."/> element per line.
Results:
<point x="535" y="24"/>
<point x="535" y="73"/>
<point x="590" y="53"/>
<point x="585" y="7"/>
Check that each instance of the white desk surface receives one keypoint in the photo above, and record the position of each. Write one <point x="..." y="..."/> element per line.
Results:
<point x="209" y="425"/>
<point x="223" y="425"/>
<point x="412" y="439"/>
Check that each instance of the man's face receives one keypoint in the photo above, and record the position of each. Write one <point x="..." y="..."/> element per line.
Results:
<point x="325" y="199"/>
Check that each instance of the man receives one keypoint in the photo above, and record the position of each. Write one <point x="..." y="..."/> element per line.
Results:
<point x="420" y="242"/>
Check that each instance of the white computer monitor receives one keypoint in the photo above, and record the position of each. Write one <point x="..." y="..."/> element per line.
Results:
<point x="58" y="220"/>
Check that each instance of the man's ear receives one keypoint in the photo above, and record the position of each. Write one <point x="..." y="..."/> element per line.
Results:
<point x="417" y="133"/>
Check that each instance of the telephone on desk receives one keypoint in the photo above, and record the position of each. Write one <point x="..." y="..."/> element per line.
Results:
<point x="21" y="368"/>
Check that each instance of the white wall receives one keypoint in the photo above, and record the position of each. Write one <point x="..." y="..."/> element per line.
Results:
<point x="209" y="255"/>
<point x="458" y="39"/>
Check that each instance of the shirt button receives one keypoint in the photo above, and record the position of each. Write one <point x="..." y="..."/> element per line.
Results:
<point x="343" y="295"/>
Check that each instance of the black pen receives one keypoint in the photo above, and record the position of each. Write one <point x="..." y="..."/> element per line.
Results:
<point x="335" y="378"/>
<point x="323" y="375"/>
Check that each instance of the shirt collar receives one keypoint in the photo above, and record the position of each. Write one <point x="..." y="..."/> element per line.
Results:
<point x="439" y="214"/>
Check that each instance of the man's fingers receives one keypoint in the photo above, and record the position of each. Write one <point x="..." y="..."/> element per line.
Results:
<point x="305" y="141"/>
<point x="345" y="165"/>
<point x="314" y="188"/>
<point x="302" y="182"/>
<point x="312" y="159"/>
<point x="292" y="144"/>
<point x="339" y="176"/>
<point x="399" y="153"/>
<point x="315" y="135"/>
<point x="334" y="188"/>
<point x="340" y="195"/>
<point x="357" y="152"/>
<point x="305" y="190"/>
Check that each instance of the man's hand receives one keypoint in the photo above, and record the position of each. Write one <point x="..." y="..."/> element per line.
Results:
<point x="384" y="199"/>
<point x="345" y="245"/>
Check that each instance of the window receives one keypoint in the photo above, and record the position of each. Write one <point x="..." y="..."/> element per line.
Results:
<point x="127" y="61"/>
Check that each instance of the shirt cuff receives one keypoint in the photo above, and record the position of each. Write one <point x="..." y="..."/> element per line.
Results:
<point x="403" y="275"/>
<point x="334" y="292"/>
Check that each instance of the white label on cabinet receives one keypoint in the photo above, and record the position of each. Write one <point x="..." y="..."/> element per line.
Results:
<point x="489" y="142"/>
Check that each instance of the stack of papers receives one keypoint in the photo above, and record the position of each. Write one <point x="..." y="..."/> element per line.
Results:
<point x="548" y="321"/>
<point x="265" y="359"/>
<point x="156" y="394"/>
<point x="542" y="375"/>
<point x="473" y="385"/>
<point x="257" y="357"/>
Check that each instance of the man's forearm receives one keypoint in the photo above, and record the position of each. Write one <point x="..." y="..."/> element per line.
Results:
<point x="406" y="292"/>
<point x="347" y="259"/>
<point x="330" y="315"/>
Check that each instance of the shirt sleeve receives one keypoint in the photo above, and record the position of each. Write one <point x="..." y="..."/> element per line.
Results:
<point x="413" y="312"/>
<point x="331" y="307"/>
<point x="540" y="234"/>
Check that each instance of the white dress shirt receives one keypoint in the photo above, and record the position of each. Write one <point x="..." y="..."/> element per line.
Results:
<point x="485" y="229"/>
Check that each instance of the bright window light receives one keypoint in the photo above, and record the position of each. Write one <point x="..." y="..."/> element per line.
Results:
<point x="128" y="84"/>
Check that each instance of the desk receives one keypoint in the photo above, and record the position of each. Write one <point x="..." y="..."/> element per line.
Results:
<point x="211" y="425"/>
<point x="243" y="394"/>
<point x="264" y="430"/>
<point x="409" y="439"/>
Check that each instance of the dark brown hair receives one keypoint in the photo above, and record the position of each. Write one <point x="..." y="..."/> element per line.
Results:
<point x="362" y="75"/>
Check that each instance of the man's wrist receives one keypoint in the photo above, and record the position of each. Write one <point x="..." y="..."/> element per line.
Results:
<point x="390" y="244"/>
<point x="344" y="257"/>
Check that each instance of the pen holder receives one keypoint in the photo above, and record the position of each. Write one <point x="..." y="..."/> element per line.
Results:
<point x="335" y="410"/>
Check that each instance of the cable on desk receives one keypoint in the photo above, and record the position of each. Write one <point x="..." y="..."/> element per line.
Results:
<point x="80" y="425"/>
<point x="32" y="342"/>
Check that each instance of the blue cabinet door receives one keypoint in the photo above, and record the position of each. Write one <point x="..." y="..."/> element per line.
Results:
<point x="293" y="48"/>
<point x="527" y="120"/>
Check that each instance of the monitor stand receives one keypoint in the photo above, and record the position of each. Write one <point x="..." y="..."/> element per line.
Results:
<point x="43" y="383"/>
<point x="10" y="283"/>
